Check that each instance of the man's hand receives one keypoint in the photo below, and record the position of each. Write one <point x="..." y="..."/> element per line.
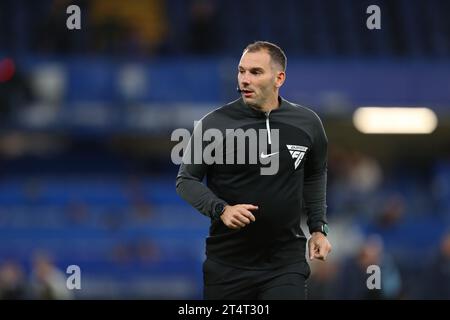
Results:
<point x="238" y="216"/>
<point x="319" y="247"/>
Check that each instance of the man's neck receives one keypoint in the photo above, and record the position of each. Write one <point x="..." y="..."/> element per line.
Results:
<point x="270" y="105"/>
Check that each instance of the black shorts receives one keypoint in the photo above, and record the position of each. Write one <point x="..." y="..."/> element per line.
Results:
<point x="223" y="282"/>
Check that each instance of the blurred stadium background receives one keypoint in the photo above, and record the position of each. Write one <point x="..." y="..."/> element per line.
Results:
<point x="86" y="118"/>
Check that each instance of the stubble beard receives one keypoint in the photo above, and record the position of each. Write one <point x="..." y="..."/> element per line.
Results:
<point x="254" y="104"/>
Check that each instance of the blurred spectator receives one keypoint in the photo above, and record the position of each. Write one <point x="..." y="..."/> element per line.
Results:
<point x="122" y="254"/>
<point x="147" y="251"/>
<point x="204" y="29"/>
<point x="12" y="281"/>
<point x="135" y="26"/>
<point x="142" y="211"/>
<point x="143" y="22"/>
<point x="141" y="208"/>
<point x="359" y="172"/>
<point x="77" y="213"/>
<point x="440" y="272"/>
<point x="392" y="212"/>
<point x="52" y="35"/>
<point x="354" y="179"/>
<point x="47" y="281"/>
<point x="365" y="173"/>
<point x="441" y="187"/>
<point x="138" y="251"/>
<point x="15" y="90"/>
<point x="355" y="274"/>
<point x="114" y="219"/>
<point x="322" y="285"/>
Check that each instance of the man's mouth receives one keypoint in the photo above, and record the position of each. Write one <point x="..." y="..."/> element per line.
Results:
<point x="247" y="93"/>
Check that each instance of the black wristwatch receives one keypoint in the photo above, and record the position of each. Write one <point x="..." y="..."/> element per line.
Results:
<point x="218" y="210"/>
<point x="323" y="228"/>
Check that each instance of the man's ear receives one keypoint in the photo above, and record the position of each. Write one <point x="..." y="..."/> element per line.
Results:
<point x="279" y="80"/>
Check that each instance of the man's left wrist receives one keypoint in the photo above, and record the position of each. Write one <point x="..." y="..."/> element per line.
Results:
<point x="323" y="229"/>
<point x="219" y="208"/>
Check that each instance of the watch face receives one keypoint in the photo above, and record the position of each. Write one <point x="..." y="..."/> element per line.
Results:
<point x="325" y="229"/>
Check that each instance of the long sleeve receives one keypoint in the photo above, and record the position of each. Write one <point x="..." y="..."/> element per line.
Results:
<point x="189" y="181"/>
<point x="315" y="182"/>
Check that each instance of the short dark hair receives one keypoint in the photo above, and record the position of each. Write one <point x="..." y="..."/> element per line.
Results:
<point x="275" y="52"/>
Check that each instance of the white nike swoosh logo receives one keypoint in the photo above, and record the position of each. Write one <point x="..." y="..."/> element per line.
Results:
<point x="263" y="156"/>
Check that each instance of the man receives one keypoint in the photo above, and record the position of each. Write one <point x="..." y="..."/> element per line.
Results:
<point x="256" y="248"/>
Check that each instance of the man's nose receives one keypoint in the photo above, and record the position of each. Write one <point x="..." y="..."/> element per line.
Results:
<point x="244" y="79"/>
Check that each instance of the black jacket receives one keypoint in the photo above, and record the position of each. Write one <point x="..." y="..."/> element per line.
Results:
<point x="275" y="238"/>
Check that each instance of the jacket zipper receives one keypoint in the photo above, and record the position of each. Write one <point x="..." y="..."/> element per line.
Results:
<point x="268" y="127"/>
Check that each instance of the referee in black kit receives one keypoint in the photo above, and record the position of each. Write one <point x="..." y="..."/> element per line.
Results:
<point x="256" y="247"/>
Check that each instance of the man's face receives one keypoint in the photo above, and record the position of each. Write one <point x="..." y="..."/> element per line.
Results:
<point x="258" y="78"/>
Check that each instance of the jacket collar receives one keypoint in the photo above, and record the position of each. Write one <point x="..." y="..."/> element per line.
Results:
<point x="257" y="113"/>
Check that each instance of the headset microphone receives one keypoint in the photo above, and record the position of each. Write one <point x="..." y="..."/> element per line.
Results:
<point x="238" y="90"/>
